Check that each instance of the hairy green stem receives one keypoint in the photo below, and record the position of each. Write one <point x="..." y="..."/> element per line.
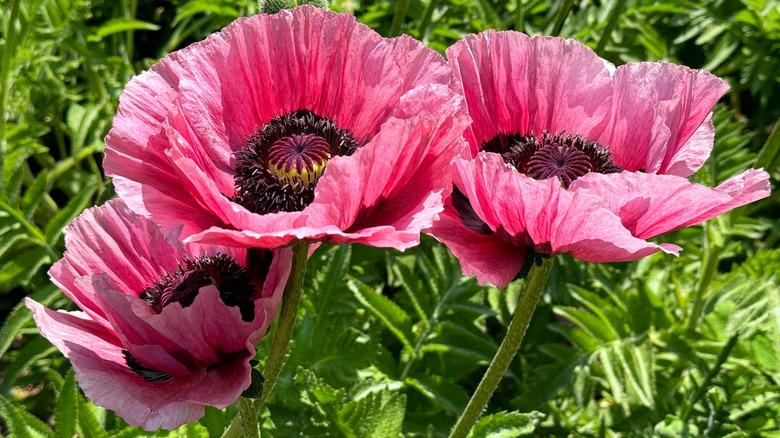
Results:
<point x="614" y="15"/>
<point x="708" y="265"/>
<point x="561" y="17"/>
<point x="285" y="324"/>
<point x="534" y="285"/>
<point x="286" y="321"/>
<point x="248" y="414"/>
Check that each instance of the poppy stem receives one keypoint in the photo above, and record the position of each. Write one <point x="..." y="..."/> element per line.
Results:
<point x="526" y="304"/>
<point x="286" y="322"/>
<point x="248" y="414"/>
<point x="284" y="330"/>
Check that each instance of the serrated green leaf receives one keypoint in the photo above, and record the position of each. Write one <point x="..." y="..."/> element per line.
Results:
<point x="89" y="424"/>
<point x="66" y="413"/>
<point x="13" y="419"/>
<point x="22" y="423"/>
<point x="506" y="425"/>
<point x="20" y="270"/>
<point x="394" y="318"/>
<point x="115" y="25"/>
<point x="378" y="415"/>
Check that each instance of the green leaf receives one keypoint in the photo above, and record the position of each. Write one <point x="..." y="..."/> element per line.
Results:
<point x="66" y="413"/>
<point x="444" y="394"/>
<point x="34" y="194"/>
<point x="115" y="25"/>
<point x="378" y="415"/>
<point x="89" y="424"/>
<point x="31" y="351"/>
<point x="13" y="419"/>
<point x="386" y="310"/>
<point x="216" y="7"/>
<point x="80" y="120"/>
<point x="506" y="425"/>
<point x="587" y="322"/>
<point x="21" y="314"/>
<point x="21" y="423"/>
<point x="76" y="205"/>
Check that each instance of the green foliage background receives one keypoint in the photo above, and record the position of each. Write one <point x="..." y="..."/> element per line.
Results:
<point x="388" y="343"/>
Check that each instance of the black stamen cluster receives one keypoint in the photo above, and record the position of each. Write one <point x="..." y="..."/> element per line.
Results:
<point x="565" y="155"/>
<point x="257" y="187"/>
<point x="182" y="284"/>
<point x="142" y="370"/>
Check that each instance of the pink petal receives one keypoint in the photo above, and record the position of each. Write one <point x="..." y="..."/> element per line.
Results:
<point x="514" y="84"/>
<point x="267" y="65"/>
<point x="545" y="217"/>
<point x="172" y="208"/>
<point x="111" y="239"/>
<point x="394" y="181"/>
<point x="197" y="335"/>
<point x="489" y="258"/>
<point x="104" y="376"/>
<point x="657" y="116"/>
<point x="650" y="205"/>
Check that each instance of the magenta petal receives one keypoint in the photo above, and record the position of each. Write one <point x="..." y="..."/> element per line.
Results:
<point x="657" y="116"/>
<point x="489" y="258"/>
<point x="543" y="216"/>
<point x="650" y="205"/>
<point x="515" y="84"/>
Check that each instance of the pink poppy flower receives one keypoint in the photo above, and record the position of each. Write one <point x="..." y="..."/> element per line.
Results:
<point x="299" y="125"/>
<point x="163" y="331"/>
<point x="568" y="154"/>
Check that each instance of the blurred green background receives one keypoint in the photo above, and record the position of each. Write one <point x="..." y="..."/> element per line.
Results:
<point x="659" y="347"/>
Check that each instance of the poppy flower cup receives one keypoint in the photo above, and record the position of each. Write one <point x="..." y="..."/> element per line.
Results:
<point x="163" y="331"/>
<point x="302" y="125"/>
<point x="567" y="154"/>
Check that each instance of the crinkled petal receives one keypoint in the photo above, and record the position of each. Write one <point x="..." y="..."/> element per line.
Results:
<point x="650" y="205"/>
<point x="489" y="258"/>
<point x="101" y="370"/>
<point x="111" y="239"/>
<point x="234" y="82"/>
<point x="658" y="117"/>
<point x="515" y="84"/>
<point x="196" y="336"/>
<point x="394" y="181"/>
<point x="545" y="217"/>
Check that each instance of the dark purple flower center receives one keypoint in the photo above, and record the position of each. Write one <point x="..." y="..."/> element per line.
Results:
<point x="182" y="284"/>
<point x="279" y="166"/>
<point x="236" y="288"/>
<point x="565" y="156"/>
